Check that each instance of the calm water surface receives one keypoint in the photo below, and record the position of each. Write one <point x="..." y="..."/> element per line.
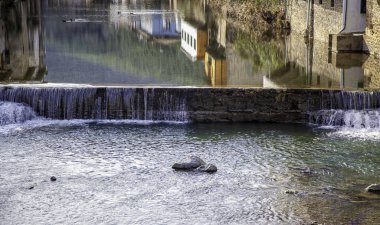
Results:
<point x="165" y="43"/>
<point x="120" y="173"/>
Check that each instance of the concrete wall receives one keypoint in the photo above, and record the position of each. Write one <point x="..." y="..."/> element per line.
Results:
<point x="372" y="31"/>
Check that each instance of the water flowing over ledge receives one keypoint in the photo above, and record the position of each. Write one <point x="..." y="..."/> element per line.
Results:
<point x="11" y="113"/>
<point x="198" y="104"/>
<point x="99" y="103"/>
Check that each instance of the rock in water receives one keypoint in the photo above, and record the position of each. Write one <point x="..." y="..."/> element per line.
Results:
<point x="53" y="178"/>
<point x="291" y="192"/>
<point x="208" y="168"/>
<point x="194" y="163"/>
<point x="32" y="186"/>
<point x="197" y="160"/>
<point x="373" y="188"/>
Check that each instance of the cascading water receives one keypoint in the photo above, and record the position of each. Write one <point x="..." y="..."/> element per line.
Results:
<point x="347" y="118"/>
<point x="101" y="103"/>
<point x="348" y="110"/>
<point x="11" y="113"/>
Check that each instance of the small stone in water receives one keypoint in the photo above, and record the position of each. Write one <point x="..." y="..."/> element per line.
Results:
<point x="32" y="186"/>
<point x="373" y="188"/>
<point x="53" y="178"/>
<point x="291" y="192"/>
<point x="194" y="163"/>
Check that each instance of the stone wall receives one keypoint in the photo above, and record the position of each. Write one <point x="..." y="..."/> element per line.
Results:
<point x="372" y="32"/>
<point x="327" y="19"/>
<point x="192" y="104"/>
<point x="372" y="73"/>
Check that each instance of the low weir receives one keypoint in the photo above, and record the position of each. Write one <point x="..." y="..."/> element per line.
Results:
<point x="323" y="107"/>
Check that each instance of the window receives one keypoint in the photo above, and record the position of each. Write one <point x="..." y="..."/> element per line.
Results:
<point x="195" y="44"/>
<point x="320" y="2"/>
<point x="182" y="34"/>
<point x="188" y="39"/>
<point x="191" y="41"/>
<point x="332" y="3"/>
<point x="363" y="6"/>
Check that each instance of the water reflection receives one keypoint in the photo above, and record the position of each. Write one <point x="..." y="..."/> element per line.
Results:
<point x="164" y="42"/>
<point x="21" y="42"/>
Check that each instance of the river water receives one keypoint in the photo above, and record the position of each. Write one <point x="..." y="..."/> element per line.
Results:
<point x="119" y="171"/>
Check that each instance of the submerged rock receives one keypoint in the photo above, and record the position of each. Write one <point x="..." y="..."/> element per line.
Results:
<point x="373" y="188"/>
<point x="53" y="178"/>
<point x="195" y="164"/>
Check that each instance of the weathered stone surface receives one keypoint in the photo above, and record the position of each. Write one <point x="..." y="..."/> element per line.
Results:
<point x="372" y="32"/>
<point x="373" y="188"/>
<point x="208" y="168"/>
<point x="327" y="19"/>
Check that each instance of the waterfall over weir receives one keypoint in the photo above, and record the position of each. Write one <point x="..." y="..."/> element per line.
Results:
<point x="11" y="113"/>
<point x="349" y="110"/>
<point x="100" y="103"/>
<point x="320" y="107"/>
<point x="347" y="118"/>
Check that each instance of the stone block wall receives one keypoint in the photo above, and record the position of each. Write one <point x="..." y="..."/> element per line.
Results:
<point x="372" y="73"/>
<point x="327" y="19"/>
<point x="372" y="32"/>
<point x="186" y="104"/>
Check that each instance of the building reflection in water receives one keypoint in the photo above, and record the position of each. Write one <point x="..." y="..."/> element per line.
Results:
<point x="160" y="25"/>
<point x="22" y="47"/>
<point x="220" y="52"/>
<point x="236" y="58"/>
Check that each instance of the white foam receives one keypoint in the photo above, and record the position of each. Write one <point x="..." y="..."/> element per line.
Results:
<point x="362" y="133"/>
<point x="11" y="113"/>
<point x="15" y="128"/>
<point x="358" y="124"/>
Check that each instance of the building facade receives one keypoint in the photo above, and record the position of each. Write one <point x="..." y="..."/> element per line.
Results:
<point x="320" y="18"/>
<point x="348" y="19"/>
